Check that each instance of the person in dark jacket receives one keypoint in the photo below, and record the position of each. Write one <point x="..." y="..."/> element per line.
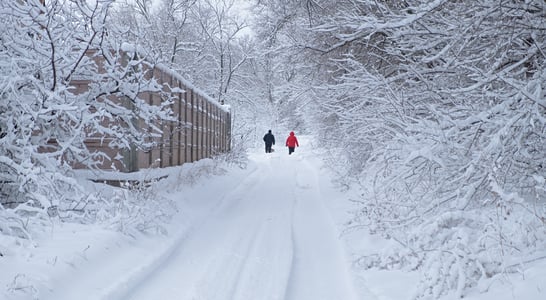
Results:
<point x="269" y="140"/>
<point x="292" y="142"/>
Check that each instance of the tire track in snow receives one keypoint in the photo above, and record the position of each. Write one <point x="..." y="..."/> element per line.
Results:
<point x="292" y="270"/>
<point x="224" y="270"/>
<point x="264" y="275"/>
<point x="319" y="270"/>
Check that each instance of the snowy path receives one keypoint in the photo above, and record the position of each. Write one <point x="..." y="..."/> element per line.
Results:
<point x="270" y="238"/>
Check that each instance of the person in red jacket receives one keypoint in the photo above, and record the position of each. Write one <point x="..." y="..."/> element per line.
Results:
<point x="292" y="143"/>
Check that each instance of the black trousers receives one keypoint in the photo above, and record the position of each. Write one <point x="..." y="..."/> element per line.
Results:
<point x="268" y="148"/>
<point x="291" y="149"/>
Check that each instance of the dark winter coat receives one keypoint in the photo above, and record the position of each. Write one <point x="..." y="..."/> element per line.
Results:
<point x="269" y="138"/>
<point x="292" y="141"/>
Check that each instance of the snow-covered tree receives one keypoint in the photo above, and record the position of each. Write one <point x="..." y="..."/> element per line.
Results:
<point x="288" y="67"/>
<point x="46" y="116"/>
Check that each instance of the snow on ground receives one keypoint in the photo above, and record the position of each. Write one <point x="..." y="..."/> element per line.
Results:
<point x="270" y="231"/>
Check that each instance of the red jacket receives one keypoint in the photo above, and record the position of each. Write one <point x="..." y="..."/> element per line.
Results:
<point x="292" y="141"/>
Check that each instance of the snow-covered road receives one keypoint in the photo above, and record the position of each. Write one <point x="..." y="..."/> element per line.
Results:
<point x="269" y="237"/>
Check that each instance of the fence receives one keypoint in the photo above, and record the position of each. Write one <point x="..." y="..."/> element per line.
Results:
<point x="201" y="129"/>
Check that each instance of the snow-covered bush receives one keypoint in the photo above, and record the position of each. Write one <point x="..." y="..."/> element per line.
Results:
<point x="137" y="208"/>
<point x="457" y="169"/>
